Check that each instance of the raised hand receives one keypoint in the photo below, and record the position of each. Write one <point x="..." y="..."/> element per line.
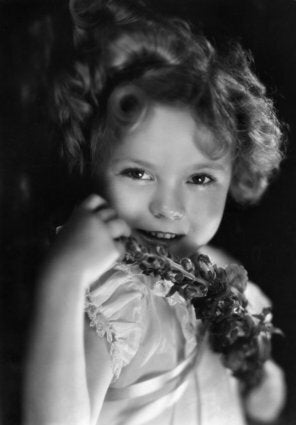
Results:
<point x="89" y="244"/>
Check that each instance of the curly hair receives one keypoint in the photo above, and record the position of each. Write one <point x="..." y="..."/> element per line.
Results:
<point x="126" y="59"/>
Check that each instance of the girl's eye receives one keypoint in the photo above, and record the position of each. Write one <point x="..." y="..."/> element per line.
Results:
<point x="201" y="179"/>
<point x="136" y="174"/>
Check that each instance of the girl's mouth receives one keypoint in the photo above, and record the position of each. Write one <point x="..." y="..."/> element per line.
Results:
<point x="156" y="237"/>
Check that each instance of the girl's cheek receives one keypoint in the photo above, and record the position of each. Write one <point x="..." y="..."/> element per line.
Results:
<point x="208" y="205"/>
<point x="126" y="202"/>
<point x="206" y="216"/>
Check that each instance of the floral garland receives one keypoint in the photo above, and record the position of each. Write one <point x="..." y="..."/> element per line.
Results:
<point x="217" y="294"/>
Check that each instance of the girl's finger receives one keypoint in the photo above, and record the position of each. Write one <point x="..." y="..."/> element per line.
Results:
<point x="120" y="246"/>
<point x="106" y="214"/>
<point x="118" y="228"/>
<point x="93" y="202"/>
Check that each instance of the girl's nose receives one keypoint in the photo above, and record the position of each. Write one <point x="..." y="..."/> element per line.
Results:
<point x="170" y="209"/>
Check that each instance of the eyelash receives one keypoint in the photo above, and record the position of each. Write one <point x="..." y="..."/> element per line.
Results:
<point x="204" y="179"/>
<point x="132" y="173"/>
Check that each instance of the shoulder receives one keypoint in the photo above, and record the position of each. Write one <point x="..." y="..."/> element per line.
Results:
<point x="120" y="287"/>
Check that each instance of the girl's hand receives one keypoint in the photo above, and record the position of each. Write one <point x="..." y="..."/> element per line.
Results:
<point x="88" y="245"/>
<point x="265" y="403"/>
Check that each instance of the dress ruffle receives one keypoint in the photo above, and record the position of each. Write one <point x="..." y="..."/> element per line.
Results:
<point x="117" y="309"/>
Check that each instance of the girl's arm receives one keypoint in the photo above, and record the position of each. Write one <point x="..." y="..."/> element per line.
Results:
<point x="98" y="370"/>
<point x="61" y="386"/>
<point x="57" y="389"/>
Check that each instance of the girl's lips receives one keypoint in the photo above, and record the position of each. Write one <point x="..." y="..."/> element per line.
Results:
<point x="156" y="237"/>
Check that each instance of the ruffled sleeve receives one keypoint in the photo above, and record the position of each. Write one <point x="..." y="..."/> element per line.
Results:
<point x="115" y="309"/>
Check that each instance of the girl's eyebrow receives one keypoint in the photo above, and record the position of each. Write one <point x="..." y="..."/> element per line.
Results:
<point x="214" y="165"/>
<point x="210" y="165"/>
<point x="127" y="158"/>
<point x="134" y="160"/>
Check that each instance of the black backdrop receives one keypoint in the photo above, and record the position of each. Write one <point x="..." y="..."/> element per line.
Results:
<point x="33" y="188"/>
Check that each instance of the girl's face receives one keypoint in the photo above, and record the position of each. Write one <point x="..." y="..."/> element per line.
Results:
<point x="164" y="186"/>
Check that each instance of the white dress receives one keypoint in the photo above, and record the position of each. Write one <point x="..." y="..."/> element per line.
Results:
<point x="163" y="373"/>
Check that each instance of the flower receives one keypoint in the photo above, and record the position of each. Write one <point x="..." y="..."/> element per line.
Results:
<point x="236" y="276"/>
<point x="194" y="290"/>
<point x="217" y="295"/>
<point x="205" y="267"/>
<point x="188" y="265"/>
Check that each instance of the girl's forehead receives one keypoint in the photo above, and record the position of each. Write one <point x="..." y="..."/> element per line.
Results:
<point x="170" y="131"/>
<point x="170" y="121"/>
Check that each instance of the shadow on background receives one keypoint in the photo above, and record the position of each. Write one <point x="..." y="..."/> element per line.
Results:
<point x="35" y="193"/>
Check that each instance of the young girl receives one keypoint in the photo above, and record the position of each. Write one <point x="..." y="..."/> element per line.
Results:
<point x="166" y="128"/>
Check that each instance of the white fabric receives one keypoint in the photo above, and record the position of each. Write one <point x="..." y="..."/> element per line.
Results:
<point x="149" y="334"/>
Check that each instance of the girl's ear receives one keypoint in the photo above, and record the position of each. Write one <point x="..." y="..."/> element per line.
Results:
<point x="248" y="187"/>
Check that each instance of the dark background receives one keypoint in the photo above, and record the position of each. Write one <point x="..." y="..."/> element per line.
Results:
<point x="33" y="189"/>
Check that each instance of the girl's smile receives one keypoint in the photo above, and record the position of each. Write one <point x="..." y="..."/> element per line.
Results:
<point x="158" y="238"/>
<point x="161" y="182"/>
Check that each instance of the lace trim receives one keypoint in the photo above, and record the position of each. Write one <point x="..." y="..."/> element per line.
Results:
<point x="105" y="329"/>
